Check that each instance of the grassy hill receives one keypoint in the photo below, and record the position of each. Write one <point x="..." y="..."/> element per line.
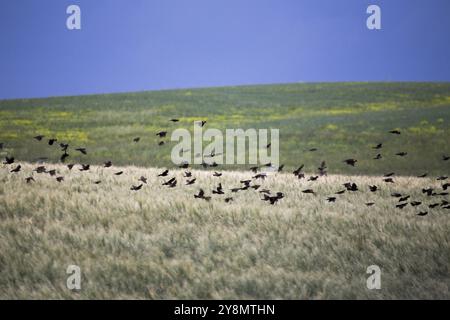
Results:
<point x="161" y="243"/>
<point x="342" y="120"/>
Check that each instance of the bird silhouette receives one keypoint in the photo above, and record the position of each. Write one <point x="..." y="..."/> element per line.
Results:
<point x="136" y="188"/>
<point x="444" y="157"/>
<point x="85" y="167"/>
<point x="229" y="199"/>
<point x="403" y="199"/>
<point x="401" y="154"/>
<point x="52" y="172"/>
<point x="442" y="178"/>
<point x="280" y="168"/>
<point x="313" y="178"/>
<point x="218" y="190"/>
<point x="261" y="176"/>
<point x="388" y="180"/>
<point x="174" y="120"/>
<point x="118" y="173"/>
<point x="341" y="192"/>
<point x="60" y="179"/>
<point x="351" y="186"/>
<point x="29" y="179"/>
<point x="396" y="195"/>
<point x="190" y="182"/>
<point x="378" y="157"/>
<point x="390" y="174"/>
<point x="187" y="174"/>
<point x="373" y="188"/>
<point x="369" y="204"/>
<point x="70" y="166"/>
<point x="378" y="146"/>
<point x="64" y="156"/>
<point x="395" y="132"/>
<point x="161" y="143"/>
<point x="97" y="182"/>
<point x="169" y="182"/>
<point x="64" y="146"/>
<point x="217" y="174"/>
<point x="402" y="205"/>
<point x="136" y="139"/>
<point x="254" y="169"/>
<point x="82" y="150"/>
<point x="351" y="162"/>
<point x="423" y="175"/>
<point x="39" y="137"/>
<point x="16" y="169"/>
<point x="445" y="186"/>
<point x="322" y="169"/>
<point x="422" y="213"/>
<point x="8" y="160"/>
<point x="52" y="141"/>
<point x="331" y="199"/>
<point x="164" y="173"/>
<point x="143" y="179"/>
<point x="308" y="191"/>
<point x="433" y="205"/>
<point x="162" y="134"/>
<point x="107" y="164"/>
<point x="416" y="203"/>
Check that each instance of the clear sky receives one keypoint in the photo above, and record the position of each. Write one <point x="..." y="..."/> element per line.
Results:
<point x="133" y="45"/>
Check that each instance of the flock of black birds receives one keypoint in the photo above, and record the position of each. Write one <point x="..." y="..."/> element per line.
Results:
<point x="250" y="184"/>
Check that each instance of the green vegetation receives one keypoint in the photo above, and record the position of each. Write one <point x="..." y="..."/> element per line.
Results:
<point x="342" y="120"/>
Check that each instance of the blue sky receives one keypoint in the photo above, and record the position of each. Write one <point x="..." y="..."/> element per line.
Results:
<point x="159" y="44"/>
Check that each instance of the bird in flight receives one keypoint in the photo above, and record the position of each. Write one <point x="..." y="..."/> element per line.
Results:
<point x="401" y="154"/>
<point x="351" y="162"/>
<point x="136" y="139"/>
<point x="9" y="160"/>
<point x="190" y="182"/>
<point x="16" y="169"/>
<point x="395" y="132"/>
<point x="39" y="137"/>
<point x="174" y="120"/>
<point x="143" y="179"/>
<point x="107" y="164"/>
<point x="82" y="150"/>
<point x="162" y="134"/>
<point x="164" y="173"/>
<point x="422" y="213"/>
<point x="136" y="188"/>
<point x="378" y="146"/>
<point x="118" y="173"/>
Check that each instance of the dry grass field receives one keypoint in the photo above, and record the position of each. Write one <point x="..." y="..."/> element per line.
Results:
<point x="162" y="243"/>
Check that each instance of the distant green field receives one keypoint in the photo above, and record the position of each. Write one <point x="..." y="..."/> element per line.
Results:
<point x="342" y="120"/>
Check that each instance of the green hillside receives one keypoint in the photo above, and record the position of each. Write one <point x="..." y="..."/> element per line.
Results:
<point x="342" y="120"/>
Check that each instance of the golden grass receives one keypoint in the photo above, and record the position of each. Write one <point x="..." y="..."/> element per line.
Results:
<point x="161" y="243"/>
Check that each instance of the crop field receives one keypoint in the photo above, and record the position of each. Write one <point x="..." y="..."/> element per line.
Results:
<point x="141" y="228"/>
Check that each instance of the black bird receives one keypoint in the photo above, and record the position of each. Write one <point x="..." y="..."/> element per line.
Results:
<point x="229" y="199"/>
<point x="174" y="120"/>
<point x="29" y="179"/>
<point x="428" y="191"/>
<point x="234" y="190"/>
<point x="351" y="186"/>
<point x="187" y="174"/>
<point x="161" y="143"/>
<point x="280" y="168"/>
<point x="390" y="174"/>
<point x="265" y="191"/>
<point x="299" y="170"/>
<point x="351" y="162"/>
<point x="262" y="176"/>
<point x="39" y="137"/>
<point x="434" y="205"/>
<point x="85" y="167"/>
<point x="246" y="182"/>
<point x="442" y="178"/>
<point x="162" y="134"/>
<point x="16" y="169"/>
<point x="202" y="123"/>
<point x="64" y="146"/>
<point x="136" y="139"/>
<point x="422" y="213"/>
<point x="97" y="182"/>
<point x="118" y="173"/>
<point x="9" y="160"/>
<point x="395" y="132"/>
<point x="373" y="188"/>
<point x="416" y="203"/>
<point x="82" y="150"/>
<point x="396" y="195"/>
<point x="70" y="166"/>
<point x="445" y="186"/>
<point x="268" y="146"/>
<point x="217" y="174"/>
<point x="313" y="149"/>
<point x="219" y="190"/>
<point x="444" y="157"/>
<point x="254" y="169"/>
<point x="378" y="146"/>
<point x="255" y="186"/>
<point x="341" y="192"/>
<point x="190" y="182"/>
<point x="313" y="178"/>
<point x="107" y="164"/>
<point x="402" y="205"/>
<point x="401" y="154"/>
<point x="403" y="199"/>
<point x="369" y="204"/>
<point x="52" y="141"/>
<point x="136" y="188"/>
<point x="167" y="183"/>
<point x="52" y="172"/>
<point x="422" y="175"/>
<point x="64" y="156"/>
<point x="184" y="165"/>
<point x="164" y="173"/>
<point x="143" y="179"/>
<point x="322" y="169"/>
<point x="388" y="180"/>
<point x="378" y="157"/>
<point x="308" y="191"/>
<point x="201" y="195"/>
<point x="60" y="179"/>
<point x="331" y="199"/>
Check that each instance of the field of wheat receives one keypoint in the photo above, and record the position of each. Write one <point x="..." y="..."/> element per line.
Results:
<point x="162" y="243"/>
